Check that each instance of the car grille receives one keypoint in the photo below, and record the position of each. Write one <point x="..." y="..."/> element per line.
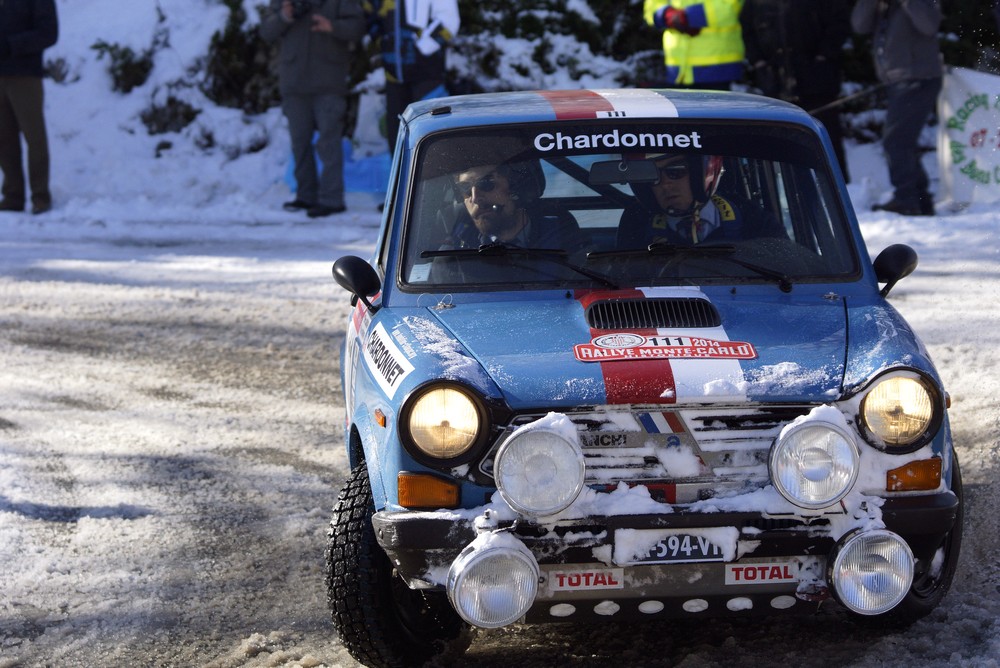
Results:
<point x="682" y="455"/>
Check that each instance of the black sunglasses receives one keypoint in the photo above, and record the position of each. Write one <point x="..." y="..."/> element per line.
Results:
<point x="483" y="184"/>
<point x="674" y="172"/>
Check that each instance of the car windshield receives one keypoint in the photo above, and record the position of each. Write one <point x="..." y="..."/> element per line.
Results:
<point x="614" y="204"/>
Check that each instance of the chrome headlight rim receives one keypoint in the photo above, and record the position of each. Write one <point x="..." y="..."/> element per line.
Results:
<point x="512" y="499"/>
<point x="844" y="550"/>
<point x="477" y="444"/>
<point x="936" y="398"/>
<point x="782" y="442"/>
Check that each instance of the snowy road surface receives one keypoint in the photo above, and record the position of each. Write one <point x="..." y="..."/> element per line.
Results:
<point x="170" y="448"/>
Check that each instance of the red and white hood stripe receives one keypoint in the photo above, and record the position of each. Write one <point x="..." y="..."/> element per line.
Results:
<point x="581" y="104"/>
<point x="668" y="381"/>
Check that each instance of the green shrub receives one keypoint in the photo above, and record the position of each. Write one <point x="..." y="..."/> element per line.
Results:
<point x="128" y="69"/>
<point x="173" y="115"/>
<point x="238" y="70"/>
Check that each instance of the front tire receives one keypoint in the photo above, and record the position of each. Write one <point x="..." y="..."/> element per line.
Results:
<point x="381" y="621"/>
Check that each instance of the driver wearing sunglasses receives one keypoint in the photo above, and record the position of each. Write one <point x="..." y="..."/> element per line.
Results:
<point x="682" y="206"/>
<point x="501" y="205"/>
<point x="491" y="203"/>
<point x="673" y="190"/>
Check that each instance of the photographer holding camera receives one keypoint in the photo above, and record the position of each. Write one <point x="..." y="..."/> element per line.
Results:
<point x="315" y="51"/>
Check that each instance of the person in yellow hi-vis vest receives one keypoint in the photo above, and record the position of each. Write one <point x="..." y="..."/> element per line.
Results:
<point x="702" y="41"/>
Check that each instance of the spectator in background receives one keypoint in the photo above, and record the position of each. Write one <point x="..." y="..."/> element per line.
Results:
<point x="316" y="44"/>
<point x="908" y="60"/>
<point x="27" y="28"/>
<point x="413" y="36"/>
<point x="702" y="41"/>
<point x="795" y="49"/>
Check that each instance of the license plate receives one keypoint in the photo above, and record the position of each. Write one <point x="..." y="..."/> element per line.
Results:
<point x="675" y="546"/>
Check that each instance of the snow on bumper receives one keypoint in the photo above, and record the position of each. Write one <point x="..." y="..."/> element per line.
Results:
<point x="714" y="563"/>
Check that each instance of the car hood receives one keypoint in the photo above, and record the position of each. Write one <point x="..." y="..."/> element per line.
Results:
<point x="545" y="353"/>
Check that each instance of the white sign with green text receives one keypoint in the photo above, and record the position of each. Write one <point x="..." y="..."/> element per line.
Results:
<point x="969" y="137"/>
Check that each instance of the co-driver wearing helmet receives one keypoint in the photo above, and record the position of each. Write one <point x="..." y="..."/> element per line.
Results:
<point x="682" y="207"/>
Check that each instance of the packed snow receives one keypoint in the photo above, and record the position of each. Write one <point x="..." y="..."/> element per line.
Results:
<point x="170" y="417"/>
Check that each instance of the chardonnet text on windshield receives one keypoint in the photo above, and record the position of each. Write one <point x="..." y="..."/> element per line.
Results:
<point x="549" y="141"/>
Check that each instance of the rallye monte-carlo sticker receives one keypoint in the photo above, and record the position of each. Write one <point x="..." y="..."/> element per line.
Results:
<point x="628" y="346"/>
<point x="659" y="365"/>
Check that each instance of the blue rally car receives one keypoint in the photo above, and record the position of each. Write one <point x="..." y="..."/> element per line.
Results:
<point x="622" y="354"/>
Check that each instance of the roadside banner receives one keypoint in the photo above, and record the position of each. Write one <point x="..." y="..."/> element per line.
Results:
<point x="969" y="137"/>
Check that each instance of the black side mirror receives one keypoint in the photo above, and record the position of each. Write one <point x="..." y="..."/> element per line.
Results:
<point x="894" y="263"/>
<point x="357" y="277"/>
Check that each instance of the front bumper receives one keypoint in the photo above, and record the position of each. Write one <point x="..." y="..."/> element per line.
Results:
<point x="423" y="545"/>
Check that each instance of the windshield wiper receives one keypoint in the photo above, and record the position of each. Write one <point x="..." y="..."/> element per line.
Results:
<point x="499" y="249"/>
<point x="700" y="250"/>
<point x="682" y="252"/>
<point x="666" y="248"/>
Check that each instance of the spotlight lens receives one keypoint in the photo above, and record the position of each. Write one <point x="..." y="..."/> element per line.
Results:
<point x="814" y="465"/>
<point x="872" y="572"/>
<point x="539" y="471"/>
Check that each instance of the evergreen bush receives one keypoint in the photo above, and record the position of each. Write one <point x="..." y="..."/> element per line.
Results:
<point x="128" y="69"/>
<point x="172" y="115"/>
<point x="238" y="71"/>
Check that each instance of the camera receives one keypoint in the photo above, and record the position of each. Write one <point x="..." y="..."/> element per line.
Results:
<point x="302" y="7"/>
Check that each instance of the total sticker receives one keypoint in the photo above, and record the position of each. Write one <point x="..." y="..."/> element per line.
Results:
<point x="769" y="573"/>
<point x="605" y="578"/>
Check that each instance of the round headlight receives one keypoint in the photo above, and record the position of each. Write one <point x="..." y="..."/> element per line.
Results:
<point x="494" y="581"/>
<point x="872" y="571"/>
<point x="899" y="410"/>
<point x="814" y="464"/>
<point x="539" y="471"/>
<point x="443" y="422"/>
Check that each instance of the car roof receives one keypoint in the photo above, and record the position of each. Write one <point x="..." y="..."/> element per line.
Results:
<point x="574" y="105"/>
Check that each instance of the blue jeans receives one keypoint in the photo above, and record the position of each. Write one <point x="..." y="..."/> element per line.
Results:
<point x="308" y="114"/>
<point x="911" y="103"/>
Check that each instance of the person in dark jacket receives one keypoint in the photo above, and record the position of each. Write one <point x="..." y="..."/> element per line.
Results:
<point x="795" y="51"/>
<point x="413" y="37"/>
<point x="316" y="47"/>
<point x="908" y="60"/>
<point x="27" y="28"/>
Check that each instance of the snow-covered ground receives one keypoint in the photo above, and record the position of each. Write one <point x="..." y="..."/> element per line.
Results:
<point x="170" y="423"/>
